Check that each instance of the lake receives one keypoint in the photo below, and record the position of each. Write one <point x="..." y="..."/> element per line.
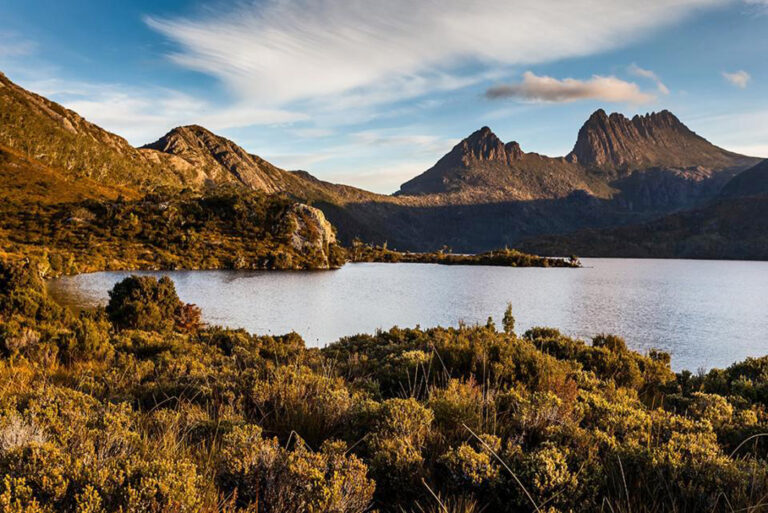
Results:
<point x="705" y="313"/>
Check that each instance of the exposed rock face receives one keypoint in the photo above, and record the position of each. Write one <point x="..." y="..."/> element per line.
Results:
<point x="617" y="145"/>
<point x="217" y="159"/>
<point x="307" y="230"/>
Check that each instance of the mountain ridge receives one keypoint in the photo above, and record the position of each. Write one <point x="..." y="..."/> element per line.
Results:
<point x="481" y="195"/>
<point x="608" y="148"/>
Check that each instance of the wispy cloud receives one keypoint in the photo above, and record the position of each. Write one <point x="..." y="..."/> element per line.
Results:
<point x="742" y="131"/>
<point x="141" y="114"/>
<point x="637" y="71"/>
<point x="548" y="89"/>
<point x="280" y="51"/>
<point x="759" y="6"/>
<point x="14" y="45"/>
<point x="391" y="157"/>
<point x="739" y="78"/>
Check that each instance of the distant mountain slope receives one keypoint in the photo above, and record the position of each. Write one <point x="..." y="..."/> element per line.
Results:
<point x="751" y="182"/>
<point x="24" y="180"/>
<point x="57" y="137"/>
<point x="734" y="228"/>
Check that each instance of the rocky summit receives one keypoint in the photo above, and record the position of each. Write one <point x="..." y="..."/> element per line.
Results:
<point x="217" y="159"/>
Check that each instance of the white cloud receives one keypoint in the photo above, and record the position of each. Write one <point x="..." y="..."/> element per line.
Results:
<point x="280" y="51"/>
<point x="382" y="178"/>
<point x="313" y="133"/>
<point x="143" y="114"/>
<point x="739" y="78"/>
<point x="390" y="157"/>
<point x="547" y="89"/>
<point x="636" y="70"/>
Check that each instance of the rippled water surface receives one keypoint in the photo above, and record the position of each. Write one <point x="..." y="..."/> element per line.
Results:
<point x="705" y="313"/>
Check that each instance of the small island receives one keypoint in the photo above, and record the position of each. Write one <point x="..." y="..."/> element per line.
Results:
<point x="361" y="252"/>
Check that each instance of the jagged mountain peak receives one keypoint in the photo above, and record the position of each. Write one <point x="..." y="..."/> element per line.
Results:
<point x="483" y="165"/>
<point x="482" y="145"/>
<point x="618" y="144"/>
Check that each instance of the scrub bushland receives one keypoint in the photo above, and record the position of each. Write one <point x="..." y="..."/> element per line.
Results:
<point x="140" y="407"/>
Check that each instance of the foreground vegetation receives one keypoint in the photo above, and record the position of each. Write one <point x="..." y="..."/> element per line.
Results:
<point x="138" y="407"/>
<point x="361" y="252"/>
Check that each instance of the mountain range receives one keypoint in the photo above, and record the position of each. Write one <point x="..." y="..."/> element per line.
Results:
<point x="622" y="174"/>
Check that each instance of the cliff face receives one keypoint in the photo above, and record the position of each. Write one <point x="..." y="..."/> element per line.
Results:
<point x="307" y="231"/>
<point x="648" y="163"/>
<point x="618" y="145"/>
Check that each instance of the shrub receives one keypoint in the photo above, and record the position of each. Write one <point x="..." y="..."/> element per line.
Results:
<point x="272" y="479"/>
<point x="298" y="399"/>
<point x="145" y="303"/>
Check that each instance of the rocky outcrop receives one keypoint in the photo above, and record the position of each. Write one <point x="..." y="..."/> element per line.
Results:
<point x="307" y="231"/>
<point x="217" y="159"/>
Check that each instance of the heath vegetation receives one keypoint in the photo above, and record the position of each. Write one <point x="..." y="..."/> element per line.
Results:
<point x="140" y="407"/>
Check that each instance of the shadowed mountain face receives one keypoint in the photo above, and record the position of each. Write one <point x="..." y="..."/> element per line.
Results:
<point x="733" y="225"/>
<point x="751" y="182"/>
<point x="482" y="195"/>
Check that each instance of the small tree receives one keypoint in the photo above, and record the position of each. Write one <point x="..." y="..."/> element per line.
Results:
<point x="509" y="320"/>
<point x="144" y="303"/>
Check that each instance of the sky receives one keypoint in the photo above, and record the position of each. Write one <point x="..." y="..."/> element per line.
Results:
<point x="371" y="93"/>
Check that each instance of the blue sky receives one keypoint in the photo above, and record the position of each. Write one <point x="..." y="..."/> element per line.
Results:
<point x="372" y="93"/>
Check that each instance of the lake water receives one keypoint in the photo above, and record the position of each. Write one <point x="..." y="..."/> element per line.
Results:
<point x="705" y="313"/>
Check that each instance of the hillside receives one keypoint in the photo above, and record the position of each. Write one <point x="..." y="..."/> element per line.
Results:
<point x="735" y="229"/>
<point x="59" y="138"/>
<point x="751" y="182"/>
<point x="24" y="181"/>
<point x="218" y="160"/>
